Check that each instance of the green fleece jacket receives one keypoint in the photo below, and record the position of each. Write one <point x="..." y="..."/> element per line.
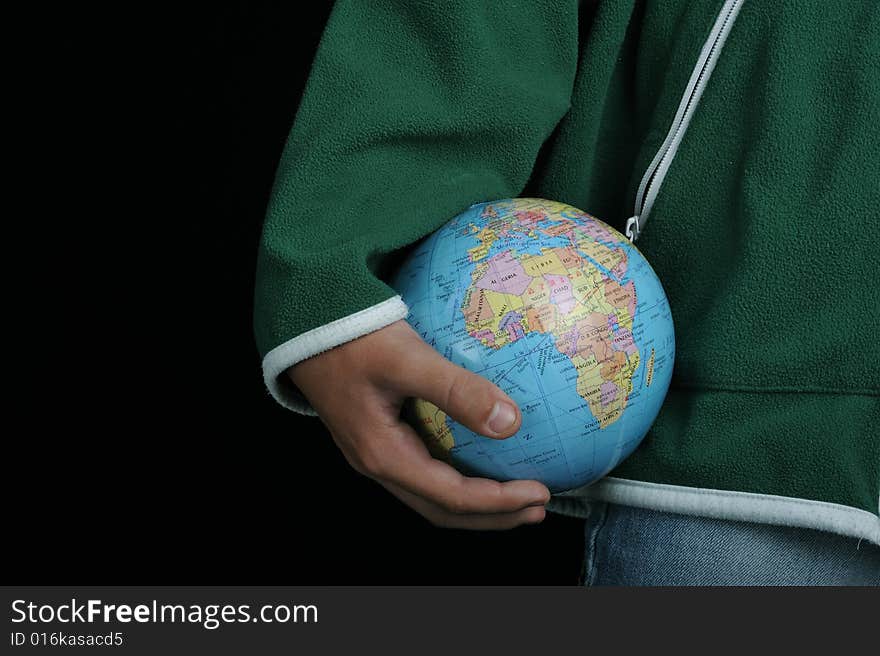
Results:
<point x="765" y="232"/>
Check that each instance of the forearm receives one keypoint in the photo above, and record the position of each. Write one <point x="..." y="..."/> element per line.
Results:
<point x="412" y="113"/>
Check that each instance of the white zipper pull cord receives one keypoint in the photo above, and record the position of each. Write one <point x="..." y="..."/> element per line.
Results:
<point x="653" y="178"/>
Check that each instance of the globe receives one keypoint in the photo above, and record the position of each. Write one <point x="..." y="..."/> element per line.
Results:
<point x="560" y="311"/>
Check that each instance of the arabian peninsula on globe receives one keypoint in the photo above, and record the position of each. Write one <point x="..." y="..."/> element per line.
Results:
<point x="561" y="312"/>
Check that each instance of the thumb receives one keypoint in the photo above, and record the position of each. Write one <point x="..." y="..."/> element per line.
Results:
<point x="467" y="397"/>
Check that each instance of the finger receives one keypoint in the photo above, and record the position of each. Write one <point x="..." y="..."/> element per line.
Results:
<point x="405" y="462"/>
<point x="468" y="398"/>
<point x="480" y="522"/>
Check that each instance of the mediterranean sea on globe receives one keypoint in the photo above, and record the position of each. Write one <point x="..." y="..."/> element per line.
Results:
<point x="561" y="312"/>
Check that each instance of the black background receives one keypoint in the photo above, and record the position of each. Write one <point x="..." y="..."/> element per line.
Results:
<point x="153" y="454"/>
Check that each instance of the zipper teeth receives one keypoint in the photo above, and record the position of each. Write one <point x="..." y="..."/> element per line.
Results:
<point x="685" y="109"/>
<point x="678" y="126"/>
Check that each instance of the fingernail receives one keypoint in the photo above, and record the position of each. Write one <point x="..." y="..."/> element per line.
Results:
<point x="537" y="518"/>
<point x="542" y="500"/>
<point x="502" y="417"/>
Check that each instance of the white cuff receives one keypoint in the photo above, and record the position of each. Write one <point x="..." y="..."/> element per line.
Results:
<point x="321" y="339"/>
<point x="723" y="504"/>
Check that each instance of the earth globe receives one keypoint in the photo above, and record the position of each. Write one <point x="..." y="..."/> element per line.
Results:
<point x="560" y="311"/>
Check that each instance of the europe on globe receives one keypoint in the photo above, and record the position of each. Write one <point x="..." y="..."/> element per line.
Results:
<point x="560" y="311"/>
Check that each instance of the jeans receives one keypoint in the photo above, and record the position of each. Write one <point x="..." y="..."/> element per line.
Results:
<point x="637" y="547"/>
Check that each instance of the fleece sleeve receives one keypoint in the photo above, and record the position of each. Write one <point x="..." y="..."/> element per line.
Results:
<point x="412" y="112"/>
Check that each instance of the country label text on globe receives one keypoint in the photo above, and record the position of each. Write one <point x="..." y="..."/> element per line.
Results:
<point x="561" y="312"/>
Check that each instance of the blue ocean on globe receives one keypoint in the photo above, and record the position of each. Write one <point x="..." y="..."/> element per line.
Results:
<point x="560" y="311"/>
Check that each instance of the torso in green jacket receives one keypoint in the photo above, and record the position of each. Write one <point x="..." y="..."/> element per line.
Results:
<point x="765" y="232"/>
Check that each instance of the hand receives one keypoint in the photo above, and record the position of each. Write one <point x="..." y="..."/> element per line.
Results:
<point x="358" y="389"/>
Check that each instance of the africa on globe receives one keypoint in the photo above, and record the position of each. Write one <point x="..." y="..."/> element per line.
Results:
<point x="560" y="311"/>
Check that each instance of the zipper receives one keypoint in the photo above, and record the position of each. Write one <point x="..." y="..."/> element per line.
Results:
<point x="653" y="178"/>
